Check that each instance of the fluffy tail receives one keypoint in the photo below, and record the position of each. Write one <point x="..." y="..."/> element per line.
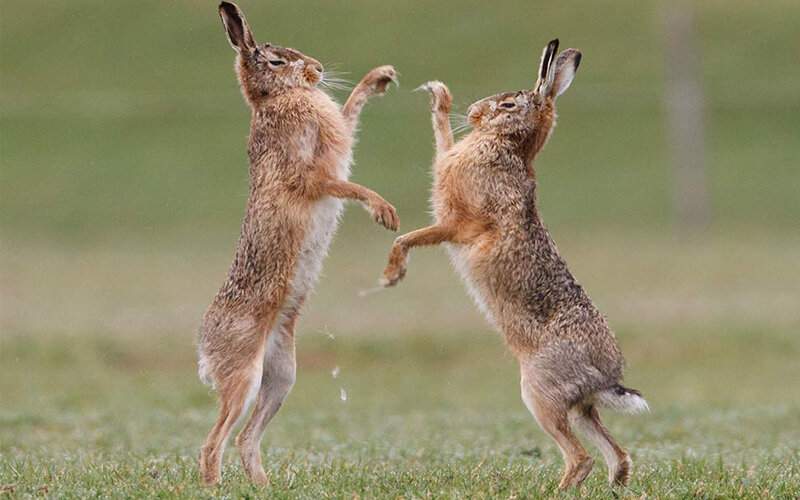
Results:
<point x="622" y="399"/>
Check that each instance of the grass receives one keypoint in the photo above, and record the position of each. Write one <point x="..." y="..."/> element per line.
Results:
<point x="100" y="396"/>
<point x="440" y="416"/>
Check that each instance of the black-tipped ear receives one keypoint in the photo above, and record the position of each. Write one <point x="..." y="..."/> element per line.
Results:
<point x="236" y="27"/>
<point x="564" y="71"/>
<point x="548" y="55"/>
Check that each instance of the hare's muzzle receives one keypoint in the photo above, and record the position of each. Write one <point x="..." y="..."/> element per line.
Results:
<point x="313" y="71"/>
<point x="474" y="114"/>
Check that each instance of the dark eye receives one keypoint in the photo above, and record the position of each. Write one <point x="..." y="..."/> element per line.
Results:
<point x="276" y="62"/>
<point x="508" y="105"/>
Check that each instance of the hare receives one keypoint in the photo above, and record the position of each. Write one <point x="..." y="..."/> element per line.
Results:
<point x="484" y="203"/>
<point x="300" y="151"/>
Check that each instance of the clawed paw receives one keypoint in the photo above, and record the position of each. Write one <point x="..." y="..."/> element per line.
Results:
<point x="379" y="79"/>
<point x="385" y="214"/>
<point x="392" y="275"/>
<point x="441" y="99"/>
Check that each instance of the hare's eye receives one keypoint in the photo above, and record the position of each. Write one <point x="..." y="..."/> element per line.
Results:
<point x="508" y="105"/>
<point x="276" y="62"/>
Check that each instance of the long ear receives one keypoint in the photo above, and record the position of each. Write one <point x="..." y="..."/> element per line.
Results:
<point x="543" y="79"/>
<point x="565" y="68"/>
<point x="236" y="27"/>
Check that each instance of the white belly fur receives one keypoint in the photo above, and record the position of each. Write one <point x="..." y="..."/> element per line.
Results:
<point x="324" y="222"/>
<point x="459" y="256"/>
<point x="322" y="226"/>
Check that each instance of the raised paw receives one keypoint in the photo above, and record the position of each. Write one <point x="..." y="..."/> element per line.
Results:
<point x="441" y="99"/>
<point x="392" y="275"/>
<point x="385" y="214"/>
<point x="378" y="79"/>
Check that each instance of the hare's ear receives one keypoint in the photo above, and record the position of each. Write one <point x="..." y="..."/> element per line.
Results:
<point x="239" y="33"/>
<point x="564" y="71"/>
<point x="544" y="78"/>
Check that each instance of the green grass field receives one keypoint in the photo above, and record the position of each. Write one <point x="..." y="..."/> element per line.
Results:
<point x="123" y="179"/>
<point x="425" y="416"/>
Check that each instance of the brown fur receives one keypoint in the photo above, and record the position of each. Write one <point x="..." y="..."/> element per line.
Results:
<point x="485" y="208"/>
<point x="300" y="152"/>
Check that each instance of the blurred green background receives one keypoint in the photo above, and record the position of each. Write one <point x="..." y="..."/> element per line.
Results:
<point x="123" y="178"/>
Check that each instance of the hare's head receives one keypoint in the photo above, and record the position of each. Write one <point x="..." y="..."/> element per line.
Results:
<point x="524" y="111"/>
<point x="266" y="69"/>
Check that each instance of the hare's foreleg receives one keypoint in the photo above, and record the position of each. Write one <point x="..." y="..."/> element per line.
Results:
<point x="374" y="83"/>
<point x="398" y="256"/>
<point x="382" y="211"/>
<point x="441" y="101"/>
<point x="277" y="380"/>
<point x="587" y="420"/>
<point x="551" y="414"/>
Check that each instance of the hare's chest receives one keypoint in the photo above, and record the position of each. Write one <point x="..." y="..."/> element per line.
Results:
<point x="322" y="224"/>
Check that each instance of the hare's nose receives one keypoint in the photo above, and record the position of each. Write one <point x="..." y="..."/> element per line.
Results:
<point x="317" y="67"/>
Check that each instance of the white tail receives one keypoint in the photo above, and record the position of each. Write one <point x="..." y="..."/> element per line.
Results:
<point x="622" y="399"/>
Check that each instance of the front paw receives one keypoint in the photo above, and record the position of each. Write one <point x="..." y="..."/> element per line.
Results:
<point x="378" y="79"/>
<point x="385" y="214"/>
<point x="441" y="99"/>
<point x="392" y="275"/>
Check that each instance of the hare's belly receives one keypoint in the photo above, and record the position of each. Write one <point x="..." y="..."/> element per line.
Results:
<point x="459" y="256"/>
<point x="322" y="226"/>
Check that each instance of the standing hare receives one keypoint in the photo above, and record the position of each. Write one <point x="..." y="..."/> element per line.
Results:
<point x="300" y="150"/>
<point x="484" y="201"/>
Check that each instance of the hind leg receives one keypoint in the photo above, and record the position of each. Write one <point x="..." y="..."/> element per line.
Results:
<point x="233" y="399"/>
<point x="551" y="413"/>
<point x="277" y="379"/>
<point x="587" y="420"/>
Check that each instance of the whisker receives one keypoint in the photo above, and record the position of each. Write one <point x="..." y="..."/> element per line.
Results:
<point x="334" y="86"/>
<point x="336" y="73"/>
<point x="332" y="80"/>
<point x="461" y="128"/>
<point x="332" y="66"/>
<point x="338" y="81"/>
<point x="459" y="122"/>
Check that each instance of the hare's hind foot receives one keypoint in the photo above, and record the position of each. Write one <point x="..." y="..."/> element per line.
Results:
<point x="621" y="475"/>
<point x="211" y="454"/>
<point x="251" y="461"/>
<point x="234" y="394"/>
<point x="587" y="421"/>
<point x="576" y="473"/>
<point x="553" y="417"/>
<point x="279" y="372"/>
<point x="209" y="474"/>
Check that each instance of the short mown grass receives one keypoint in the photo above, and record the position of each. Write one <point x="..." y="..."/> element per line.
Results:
<point x="425" y="416"/>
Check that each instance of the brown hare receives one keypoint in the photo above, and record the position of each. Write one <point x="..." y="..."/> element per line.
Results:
<point x="484" y="203"/>
<point x="300" y="149"/>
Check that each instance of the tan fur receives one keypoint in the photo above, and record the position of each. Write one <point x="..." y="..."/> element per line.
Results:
<point x="300" y="153"/>
<point x="484" y="203"/>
